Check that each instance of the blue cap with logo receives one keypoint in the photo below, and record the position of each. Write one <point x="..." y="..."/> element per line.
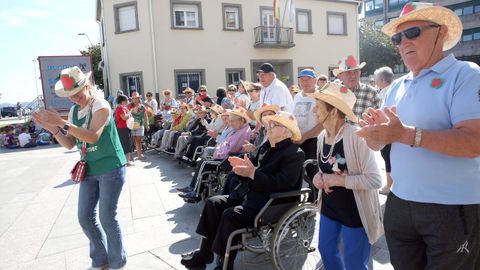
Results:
<point x="307" y="73"/>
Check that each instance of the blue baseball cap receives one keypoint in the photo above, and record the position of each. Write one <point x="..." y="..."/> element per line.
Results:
<point x="307" y="73"/>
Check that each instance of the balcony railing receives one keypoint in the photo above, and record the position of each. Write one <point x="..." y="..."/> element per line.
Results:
<point x="273" y="37"/>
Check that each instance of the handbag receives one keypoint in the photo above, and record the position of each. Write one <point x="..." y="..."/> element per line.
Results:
<point x="130" y="123"/>
<point x="78" y="171"/>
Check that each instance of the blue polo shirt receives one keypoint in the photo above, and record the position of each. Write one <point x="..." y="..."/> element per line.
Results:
<point x="436" y="99"/>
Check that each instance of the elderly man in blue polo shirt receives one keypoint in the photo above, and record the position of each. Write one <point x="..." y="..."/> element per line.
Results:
<point x="432" y="118"/>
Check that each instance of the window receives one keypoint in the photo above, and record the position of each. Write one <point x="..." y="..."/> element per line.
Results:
<point x="467" y="37"/>
<point x="304" y="20"/>
<point x="373" y="6"/>
<point x="186" y="15"/>
<point x="131" y="82"/>
<point x="126" y="17"/>
<point x="232" y="17"/>
<point x="476" y="36"/>
<point x="189" y="78"/>
<point x="336" y="23"/>
<point x="477" y="9"/>
<point x="467" y="10"/>
<point x="234" y="75"/>
<point x="396" y="4"/>
<point x="459" y="11"/>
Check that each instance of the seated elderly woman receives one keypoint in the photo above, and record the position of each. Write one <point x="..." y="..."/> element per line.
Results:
<point x="232" y="144"/>
<point x="168" y="135"/>
<point x="279" y="170"/>
<point x="198" y="127"/>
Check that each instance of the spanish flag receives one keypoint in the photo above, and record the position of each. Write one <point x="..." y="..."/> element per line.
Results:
<point x="276" y="11"/>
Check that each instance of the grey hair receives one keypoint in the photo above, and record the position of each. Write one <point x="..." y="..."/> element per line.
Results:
<point x="385" y="74"/>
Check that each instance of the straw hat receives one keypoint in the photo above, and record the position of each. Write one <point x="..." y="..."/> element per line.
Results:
<point x="287" y="120"/>
<point x="167" y="91"/>
<point x="226" y="112"/>
<point x="135" y="95"/>
<point x="189" y="90"/>
<point x="241" y="112"/>
<point x="415" y="11"/>
<point x="173" y="111"/>
<point x="339" y="97"/>
<point x="217" y="109"/>
<point x="294" y="89"/>
<point x="265" y="107"/>
<point x="71" y="81"/>
<point x="347" y="64"/>
<point x="183" y="105"/>
<point x="199" y="108"/>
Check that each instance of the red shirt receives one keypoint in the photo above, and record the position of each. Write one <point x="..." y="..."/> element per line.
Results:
<point x="120" y="122"/>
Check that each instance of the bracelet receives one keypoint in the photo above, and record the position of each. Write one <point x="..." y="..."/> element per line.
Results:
<point x="418" y="138"/>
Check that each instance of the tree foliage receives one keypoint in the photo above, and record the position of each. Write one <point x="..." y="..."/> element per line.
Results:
<point x="96" y="54"/>
<point x="376" y="48"/>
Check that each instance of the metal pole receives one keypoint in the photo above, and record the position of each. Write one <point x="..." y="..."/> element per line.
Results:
<point x="35" y="74"/>
<point x="85" y="34"/>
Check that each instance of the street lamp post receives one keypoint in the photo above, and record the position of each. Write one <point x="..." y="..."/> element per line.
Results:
<point x="35" y="74"/>
<point x="85" y="34"/>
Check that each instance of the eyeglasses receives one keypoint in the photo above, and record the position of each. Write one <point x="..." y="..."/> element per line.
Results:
<point x="202" y="90"/>
<point x="411" y="33"/>
<point x="252" y="90"/>
<point x="232" y="90"/>
<point x="322" y="79"/>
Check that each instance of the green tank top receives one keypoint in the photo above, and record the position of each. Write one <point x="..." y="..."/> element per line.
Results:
<point x="107" y="153"/>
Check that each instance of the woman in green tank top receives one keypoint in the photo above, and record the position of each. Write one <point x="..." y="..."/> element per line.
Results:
<point x="105" y="171"/>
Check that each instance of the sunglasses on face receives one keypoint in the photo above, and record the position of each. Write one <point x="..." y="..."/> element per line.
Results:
<point x="251" y="91"/>
<point x="232" y="90"/>
<point x="411" y="33"/>
<point x="322" y="79"/>
<point x="202" y="91"/>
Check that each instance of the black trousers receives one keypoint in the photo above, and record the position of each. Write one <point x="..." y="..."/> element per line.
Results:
<point x="309" y="147"/>
<point x="195" y="142"/>
<point x="432" y="236"/>
<point x="207" y="167"/>
<point x="220" y="217"/>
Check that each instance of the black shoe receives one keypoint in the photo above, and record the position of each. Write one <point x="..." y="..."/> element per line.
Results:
<point x="185" y="189"/>
<point x="190" y="197"/>
<point x="196" y="260"/>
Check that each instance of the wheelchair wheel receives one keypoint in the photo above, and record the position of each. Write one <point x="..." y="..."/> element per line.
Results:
<point x="291" y="245"/>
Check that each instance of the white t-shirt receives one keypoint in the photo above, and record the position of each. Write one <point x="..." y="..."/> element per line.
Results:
<point x="245" y="98"/>
<point x="24" y="138"/>
<point x="277" y="93"/>
<point x="152" y="104"/>
<point x="302" y="109"/>
<point x="98" y="104"/>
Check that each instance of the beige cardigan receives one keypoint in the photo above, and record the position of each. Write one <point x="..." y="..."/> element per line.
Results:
<point x="364" y="179"/>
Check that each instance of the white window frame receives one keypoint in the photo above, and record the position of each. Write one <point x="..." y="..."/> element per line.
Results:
<point x="230" y="71"/>
<point x="187" y="7"/>
<point x="116" y="11"/>
<point x="237" y="10"/>
<point x="308" y="14"/>
<point x="344" y="25"/>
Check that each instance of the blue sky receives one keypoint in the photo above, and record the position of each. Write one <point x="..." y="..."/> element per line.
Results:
<point x="32" y="28"/>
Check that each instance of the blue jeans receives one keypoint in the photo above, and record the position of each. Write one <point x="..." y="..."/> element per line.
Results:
<point x="106" y="243"/>
<point x="356" y="246"/>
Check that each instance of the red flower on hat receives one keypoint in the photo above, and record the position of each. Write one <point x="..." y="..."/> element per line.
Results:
<point x="408" y="8"/>
<point x="344" y="90"/>
<point x="292" y="118"/>
<point x="68" y="82"/>
<point x="436" y="83"/>
<point x="264" y="105"/>
<point x="351" y="62"/>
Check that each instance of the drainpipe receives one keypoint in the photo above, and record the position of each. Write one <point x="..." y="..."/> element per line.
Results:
<point x="154" y="48"/>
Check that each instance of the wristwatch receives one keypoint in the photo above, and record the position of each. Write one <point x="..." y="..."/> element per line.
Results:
<point x="418" y="138"/>
<point x="66" y="126"/>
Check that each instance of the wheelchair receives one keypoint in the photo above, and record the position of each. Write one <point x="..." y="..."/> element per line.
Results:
<point x="285" y="231"/>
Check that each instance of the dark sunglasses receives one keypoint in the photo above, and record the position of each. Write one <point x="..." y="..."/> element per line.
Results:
<point x="232" y="90"/>
<point x="322" y="79"/>
<point x="202" y="90"/>
<point x="252" y="90"/>
<point x="411" y="33"/>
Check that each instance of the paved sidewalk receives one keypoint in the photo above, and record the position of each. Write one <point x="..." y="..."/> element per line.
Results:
<point x="39" y="228"/>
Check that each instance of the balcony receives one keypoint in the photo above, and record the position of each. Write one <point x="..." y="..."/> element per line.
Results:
<point x="273" y="37"/>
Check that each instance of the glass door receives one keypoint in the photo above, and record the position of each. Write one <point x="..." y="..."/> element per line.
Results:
<point x="268" y="23"/>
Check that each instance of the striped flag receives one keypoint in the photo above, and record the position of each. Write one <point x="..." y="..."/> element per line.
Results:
<point x="276" y="11"/>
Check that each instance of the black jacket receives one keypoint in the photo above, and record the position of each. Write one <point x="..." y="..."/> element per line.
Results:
<point x="280" y="170"/>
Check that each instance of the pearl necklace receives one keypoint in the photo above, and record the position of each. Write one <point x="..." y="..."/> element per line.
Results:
<point x="324" y="159"/>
